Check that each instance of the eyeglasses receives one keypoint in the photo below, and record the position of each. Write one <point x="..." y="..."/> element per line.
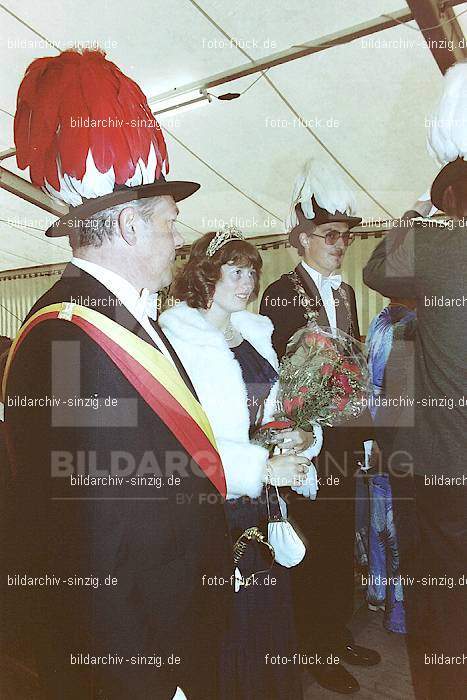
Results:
<point x="333" y="236"/>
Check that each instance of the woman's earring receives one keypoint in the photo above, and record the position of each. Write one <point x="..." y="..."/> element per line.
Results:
<point x="209" y="303"/>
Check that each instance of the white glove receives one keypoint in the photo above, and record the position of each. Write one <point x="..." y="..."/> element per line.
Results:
<point x="309" y="486"/>
<point x="315" y="447"/>
<point x="367" y="449"/>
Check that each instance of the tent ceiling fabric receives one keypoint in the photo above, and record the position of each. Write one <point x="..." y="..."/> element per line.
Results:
<point x="365" y="101"/>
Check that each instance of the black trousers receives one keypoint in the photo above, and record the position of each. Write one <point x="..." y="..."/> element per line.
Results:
<point x="323" y="584"/>
<point x="433" y="541"/>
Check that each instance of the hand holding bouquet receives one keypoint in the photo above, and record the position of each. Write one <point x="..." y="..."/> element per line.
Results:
<point x="323" y="380"/>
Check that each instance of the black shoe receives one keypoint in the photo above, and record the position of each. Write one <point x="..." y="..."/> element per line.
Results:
<point x="336" y="677"/>
<point x="359" y="656"/>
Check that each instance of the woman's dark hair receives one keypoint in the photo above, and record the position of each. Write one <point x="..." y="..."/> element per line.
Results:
<point x="196" y="281"/>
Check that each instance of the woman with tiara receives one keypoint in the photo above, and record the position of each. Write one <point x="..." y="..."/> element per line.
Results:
<point x="227" y="352"/>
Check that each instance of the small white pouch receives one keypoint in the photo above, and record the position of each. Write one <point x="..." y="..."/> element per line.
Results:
<point x="289" y="549"/>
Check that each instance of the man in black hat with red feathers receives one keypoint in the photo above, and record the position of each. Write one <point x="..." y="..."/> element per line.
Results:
<point x="117" y="521"/>
<point x="320" y="224"/>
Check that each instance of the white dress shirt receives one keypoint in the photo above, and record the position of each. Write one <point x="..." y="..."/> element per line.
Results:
<point x="141" y="305"/>
<point x="324" y="287"/>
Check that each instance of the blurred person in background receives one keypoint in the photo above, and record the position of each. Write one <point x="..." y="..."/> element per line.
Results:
<point x="389" y="343"/>
<point x="427" y="262"/>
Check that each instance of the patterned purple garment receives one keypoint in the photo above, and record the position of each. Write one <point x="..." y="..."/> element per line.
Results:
<point x="385" y="589"/>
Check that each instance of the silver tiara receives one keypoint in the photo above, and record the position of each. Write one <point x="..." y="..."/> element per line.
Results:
<point x="223" y="236"/>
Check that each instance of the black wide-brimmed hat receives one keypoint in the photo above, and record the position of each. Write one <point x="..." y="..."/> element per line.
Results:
<point x="178" y="189"/>
<point x="451" y="173"/>
<point x="322" y="216"/>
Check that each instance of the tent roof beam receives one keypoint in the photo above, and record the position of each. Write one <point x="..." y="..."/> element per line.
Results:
<point x="429" y="14"/>
<point x="344" y="36"/>
<point x="24" y="189"/>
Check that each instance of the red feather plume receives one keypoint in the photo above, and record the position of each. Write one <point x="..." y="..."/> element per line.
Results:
<point x="59" y="95"/>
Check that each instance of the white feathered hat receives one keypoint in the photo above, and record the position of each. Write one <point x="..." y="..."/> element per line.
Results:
<point x="320" y="195"/>
<point x="447" y="135"/>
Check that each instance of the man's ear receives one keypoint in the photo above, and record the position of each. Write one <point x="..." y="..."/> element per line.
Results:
<point x="126" y="222"/>
<point x="304" y="239"/>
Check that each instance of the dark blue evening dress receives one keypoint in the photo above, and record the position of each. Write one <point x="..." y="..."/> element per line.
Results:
<point x="262" y="620"/>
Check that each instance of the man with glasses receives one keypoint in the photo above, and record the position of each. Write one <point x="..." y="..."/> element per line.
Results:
<point x="321" y="243"/>
<point x="320" y="229"/>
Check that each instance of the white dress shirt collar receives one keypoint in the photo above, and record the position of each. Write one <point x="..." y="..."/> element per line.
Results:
<point x="314" y="274"/>
<point x="139" y="304"/>
<point x="136" y="302"/>
<point x="325" y="286"/>
<point x="322" y="280"/>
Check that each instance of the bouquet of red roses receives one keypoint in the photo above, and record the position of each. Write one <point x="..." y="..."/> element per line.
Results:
<point x="323" y="378"/>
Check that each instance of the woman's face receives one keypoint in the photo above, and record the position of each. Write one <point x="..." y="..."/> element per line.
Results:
<point x="234" y="288"/>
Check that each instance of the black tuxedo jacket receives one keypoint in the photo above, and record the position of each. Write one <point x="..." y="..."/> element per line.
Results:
<point x="286" y="310"/>
<point x="342" y="445"/>
<point x="161" y="542"/>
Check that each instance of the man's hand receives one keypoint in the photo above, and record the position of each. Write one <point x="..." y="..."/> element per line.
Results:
<point x="288" y="469"/>
<point x="296" y="440"/>
<point x="423" y="206"/>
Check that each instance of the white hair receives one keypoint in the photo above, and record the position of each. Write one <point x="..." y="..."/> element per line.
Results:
<point x="94" y="230"/>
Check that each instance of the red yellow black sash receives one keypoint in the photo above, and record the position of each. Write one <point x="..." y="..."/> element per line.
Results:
<point x="152" y="375"/>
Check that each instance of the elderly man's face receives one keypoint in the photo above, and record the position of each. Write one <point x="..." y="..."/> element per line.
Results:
<point x="157" y="239"/>
<point x="324" y="258"/>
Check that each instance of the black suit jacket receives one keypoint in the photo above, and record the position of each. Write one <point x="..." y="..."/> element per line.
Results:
<point x="342" y="445"/>
<point x="161" y="542"/>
